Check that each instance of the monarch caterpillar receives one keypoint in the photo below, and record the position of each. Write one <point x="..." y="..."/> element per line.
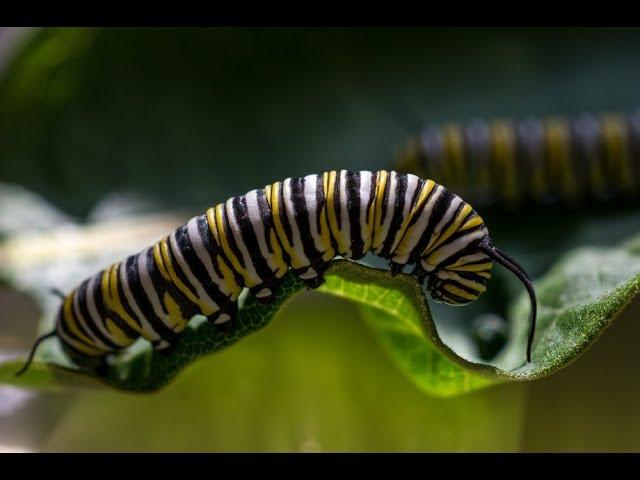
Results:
<point x="588" y="156"/>
<point x="251" y="241"/>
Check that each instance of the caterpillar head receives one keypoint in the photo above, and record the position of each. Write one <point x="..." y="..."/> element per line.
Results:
<point x="461" y="282"/>
<point x="464" y="280"/>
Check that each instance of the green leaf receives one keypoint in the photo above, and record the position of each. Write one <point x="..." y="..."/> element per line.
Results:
<point x="42" y="375"/>
<point x="578" y="299"/>
<point x="398" y="312"/>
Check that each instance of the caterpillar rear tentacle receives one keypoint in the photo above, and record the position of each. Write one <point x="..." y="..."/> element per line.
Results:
<point x="57" y="292"/>
<point x="32" y="352"/>
<point x="253" y="240"/>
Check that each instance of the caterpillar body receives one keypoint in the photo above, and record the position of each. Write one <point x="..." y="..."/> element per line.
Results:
<point x="565" y="160"/>
<point x="251" y="241"/>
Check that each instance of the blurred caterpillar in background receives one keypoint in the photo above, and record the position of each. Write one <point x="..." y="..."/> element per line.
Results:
<point x="540" y="160"/>
<point x="251" y="241"/>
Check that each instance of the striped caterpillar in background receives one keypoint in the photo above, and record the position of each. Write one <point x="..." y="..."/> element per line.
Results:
<point x="251" y="241"/>
<point x="540" y="160"/>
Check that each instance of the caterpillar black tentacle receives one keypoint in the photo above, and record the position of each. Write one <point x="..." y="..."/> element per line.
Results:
<point x="251" y="241"/>
<point x="566" y="160"/>
<point x="32" y="352"/>
<point x="58" y="293"/>
<point x="510" y="264"/>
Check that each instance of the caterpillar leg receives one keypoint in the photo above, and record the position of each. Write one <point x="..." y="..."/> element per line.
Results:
<point x="97" y="365"/>
<point x="420" y="273"/>
<point x="315" y="282"/>
<point x="395" y="268"/>
<point x="263" y="294"/>
<point x="101" y="369"/>
<point x="165" y="347"/>
<point x="224" y="320"/>
<point x="226" y="327"/>
<point x="266" y="292"/>
<point x="312" y="277"/>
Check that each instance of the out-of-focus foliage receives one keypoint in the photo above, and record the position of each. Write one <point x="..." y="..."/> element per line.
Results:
<point x="171" y="113"/>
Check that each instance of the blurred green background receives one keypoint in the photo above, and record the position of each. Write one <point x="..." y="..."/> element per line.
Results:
<point x="184" y="118"/>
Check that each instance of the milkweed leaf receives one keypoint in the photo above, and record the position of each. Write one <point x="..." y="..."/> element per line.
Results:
<point x="578" y="299"/>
